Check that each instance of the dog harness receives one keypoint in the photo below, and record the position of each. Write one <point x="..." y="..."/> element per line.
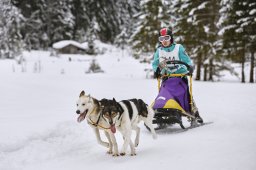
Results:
<point x="96" y="124"/>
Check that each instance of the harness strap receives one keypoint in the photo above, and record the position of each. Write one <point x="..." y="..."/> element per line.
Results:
<point x="97" y="125"/>
<point x="99" y="118"/>
<point x="120" y="117"/>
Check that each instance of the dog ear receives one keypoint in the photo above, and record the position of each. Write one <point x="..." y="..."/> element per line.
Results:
<point x="119" y="107"/>
<point x="90" y="98"/>
<point x="101" y="104"/>
<point x="114" y="99"/>
<point x="82" y="93"/>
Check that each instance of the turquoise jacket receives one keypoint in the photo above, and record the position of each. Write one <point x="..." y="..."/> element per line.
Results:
<point x="182" y="57"/>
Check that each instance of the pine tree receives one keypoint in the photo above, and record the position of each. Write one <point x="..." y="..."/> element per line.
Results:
<point x="45" y="22"/>
<point x="103" y="13"/>
<point x="81" y="19"/>
<point x="190" y="28"/>
<point x="201" y="39"/>
<point x="126" y="9"/>
<point x="248" y="25"/>
<point x="149" y="21"/>
<point x="57" y="20"/>
<point x="239" y="32"/>
<point x="187" y="37"/>
<point x="240" y="9"/>
<point x="11" y="42"/>
<point x="32" y="24"/>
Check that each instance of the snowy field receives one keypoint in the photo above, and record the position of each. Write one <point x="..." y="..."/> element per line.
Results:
<point x="39" y="131"/>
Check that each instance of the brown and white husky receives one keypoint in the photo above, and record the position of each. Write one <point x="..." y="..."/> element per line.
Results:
<point x="89" y="108"/>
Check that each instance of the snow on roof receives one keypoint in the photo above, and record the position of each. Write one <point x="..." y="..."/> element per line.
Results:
<point x="64" y="43"/>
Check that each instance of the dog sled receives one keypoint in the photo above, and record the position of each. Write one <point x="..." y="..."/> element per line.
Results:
<point x="175" y="99"/>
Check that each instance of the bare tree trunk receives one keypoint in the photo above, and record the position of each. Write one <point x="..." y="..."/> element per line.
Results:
<point x="211" y="69"/>
<point x="205" y="72"/>
<point x="243" y="61"/>
<point x="252" y="68"/>
<point x="199" y="64"/>
<point x="74" y="31"/>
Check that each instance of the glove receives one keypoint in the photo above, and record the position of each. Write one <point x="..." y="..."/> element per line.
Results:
<point x="157" y="74"/>
<point x="191" y="69"/>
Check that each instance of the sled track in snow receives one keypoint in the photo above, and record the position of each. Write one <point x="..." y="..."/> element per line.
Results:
<point x="175" y="130"/>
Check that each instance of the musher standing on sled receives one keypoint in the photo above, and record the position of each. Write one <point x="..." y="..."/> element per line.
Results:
<point x="170" y="50"/>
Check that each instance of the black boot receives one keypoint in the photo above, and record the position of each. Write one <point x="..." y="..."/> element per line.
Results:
<point x="198" y="117"/>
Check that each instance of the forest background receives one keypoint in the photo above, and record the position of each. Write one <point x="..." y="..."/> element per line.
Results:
<point x="216" y="33"/>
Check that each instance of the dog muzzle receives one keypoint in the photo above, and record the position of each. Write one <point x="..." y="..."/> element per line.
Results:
<point x="81" y="116"/>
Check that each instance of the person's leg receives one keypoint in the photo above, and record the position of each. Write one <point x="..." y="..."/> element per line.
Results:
<point x="195" y="112"/>
<point x="194" y="109"/>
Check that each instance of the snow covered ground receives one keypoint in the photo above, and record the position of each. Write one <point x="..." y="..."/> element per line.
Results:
<point x="39" y="131"/>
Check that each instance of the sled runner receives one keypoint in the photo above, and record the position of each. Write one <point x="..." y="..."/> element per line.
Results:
<point x="174" y="100"/>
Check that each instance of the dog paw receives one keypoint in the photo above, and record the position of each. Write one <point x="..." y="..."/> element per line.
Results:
<point x="133" y="154"/>
<point x="115" y="154"/>
<point x="109" y="152"/>
<point x="122" y="153"/>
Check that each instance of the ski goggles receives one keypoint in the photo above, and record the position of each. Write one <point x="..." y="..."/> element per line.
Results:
<point x="164" y="38"/>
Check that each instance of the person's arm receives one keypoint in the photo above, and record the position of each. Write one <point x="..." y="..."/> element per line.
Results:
<point x="155" y="62"/>
<point x="185" y="58"/>
<point x="155" y="65"/>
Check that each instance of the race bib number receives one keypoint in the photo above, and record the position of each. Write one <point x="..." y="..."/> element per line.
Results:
<point x="163" y="56"/>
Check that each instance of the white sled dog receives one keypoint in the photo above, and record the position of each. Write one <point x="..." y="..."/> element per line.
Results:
<point x="89" y="108"/>
<point x="125" y="116"/>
